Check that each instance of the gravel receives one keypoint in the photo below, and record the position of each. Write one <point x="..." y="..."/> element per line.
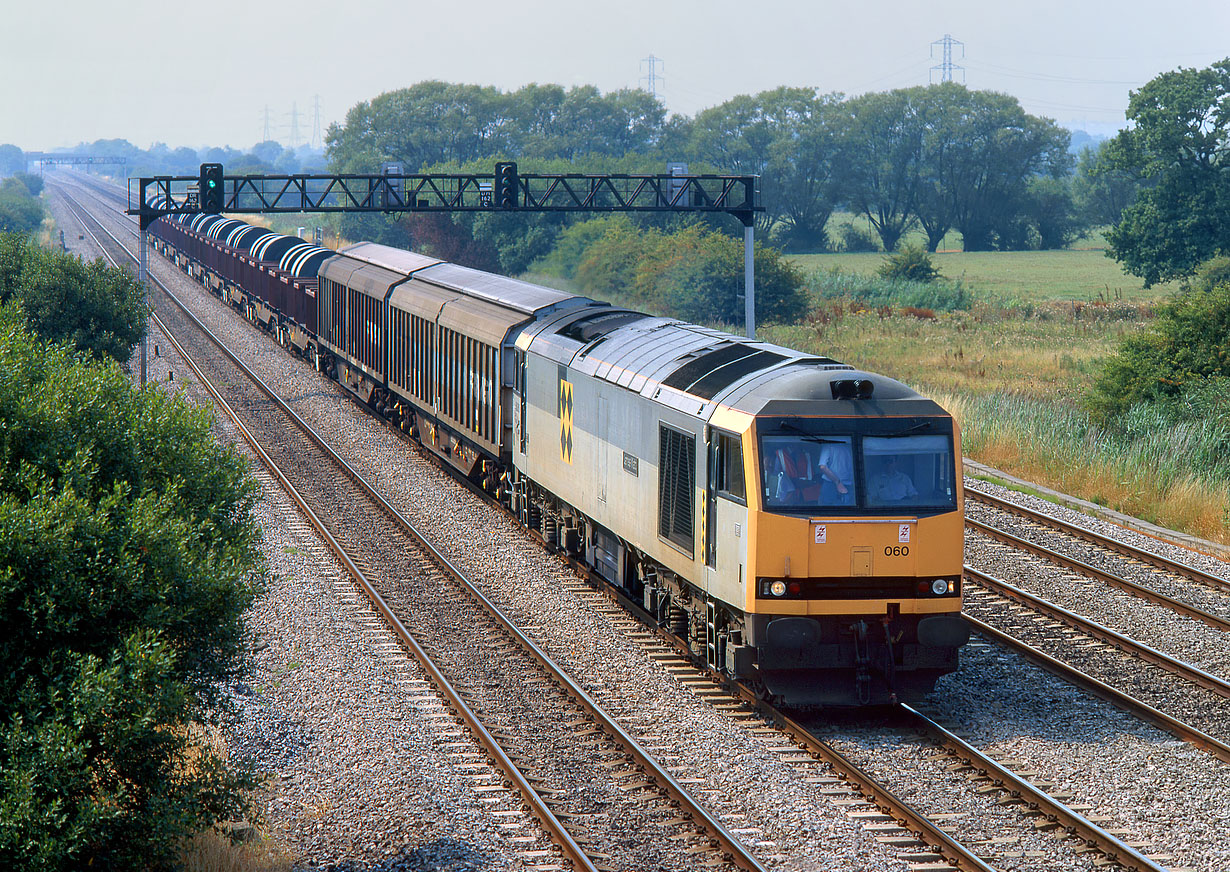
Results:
<point x="1139" y="782"/>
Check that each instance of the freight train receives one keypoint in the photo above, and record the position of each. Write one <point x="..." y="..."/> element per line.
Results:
<point x="798" y="522"/>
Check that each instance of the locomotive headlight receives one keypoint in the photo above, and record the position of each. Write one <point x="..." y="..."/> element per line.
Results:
<point x="778" y="588"/>
<point x="939" y="587"/>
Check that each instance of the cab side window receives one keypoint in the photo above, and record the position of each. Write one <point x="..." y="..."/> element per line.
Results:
<point x="730" y="467"/>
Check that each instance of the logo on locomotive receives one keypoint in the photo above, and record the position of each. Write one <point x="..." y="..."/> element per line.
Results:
<point x="565" y="421"/>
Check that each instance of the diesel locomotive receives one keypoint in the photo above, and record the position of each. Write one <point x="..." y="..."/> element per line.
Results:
<point x="797" y="521"/>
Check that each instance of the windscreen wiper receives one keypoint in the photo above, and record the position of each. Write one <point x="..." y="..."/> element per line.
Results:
<point x="812" y="437"/>
<point x="921" y="425"/>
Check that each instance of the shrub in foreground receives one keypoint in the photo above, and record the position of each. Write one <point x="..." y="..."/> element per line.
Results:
<point x="128" y="553"/>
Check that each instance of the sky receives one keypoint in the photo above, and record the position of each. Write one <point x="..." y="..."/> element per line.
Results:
<point x="200" y="74"/>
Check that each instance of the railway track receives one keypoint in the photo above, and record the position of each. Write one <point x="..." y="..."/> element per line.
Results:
<point x="884" y="813"/>
<point x="1088" y="569"/>
<point x="1010" y="809"/>
<point x="1153" y="684"/>
<point x="568" y="759"/>
<point x="929" y="847"/>
<point x="1077" y="531"/>
<point x="1008" y="616"/>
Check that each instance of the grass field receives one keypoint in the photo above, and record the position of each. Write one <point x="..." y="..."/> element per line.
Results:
<point x="1008" y="278"/>
<point x="984" y="351"/>
<point x="1015" y="368"/>
<point x="1040" y="324"/>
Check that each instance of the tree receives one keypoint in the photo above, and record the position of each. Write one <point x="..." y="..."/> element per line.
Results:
<point x="268" y="152"/>
<point x="592" y="123"/>
<point x="788" y="137"/>
<point x="1051" y="212"/>
<point x="441" y="236"/>
<point x="693" y="274"/>
<point x="804" y="174"/>
<point x="980" y="151"/>
<point x="882" y="151"/>
<point x="128" y="553"/>
<point x="97" y="308"/>
<point x="934" y="205"/>
<point x="31" y="182"/>
<point x="697" y="276"/>
<point x="1100" y="190"/>
<point x="1178" y="147"/>
<point x="433" y="123"/>
<point x="12" y="160"/>
<point x="20" y="212"/>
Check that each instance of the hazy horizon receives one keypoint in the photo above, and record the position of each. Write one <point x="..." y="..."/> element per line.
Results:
<point x="206" y="80"/>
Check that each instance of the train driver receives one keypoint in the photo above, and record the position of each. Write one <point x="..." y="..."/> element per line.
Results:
<point x="892" y="484"/>
<point x="837" y="467"/>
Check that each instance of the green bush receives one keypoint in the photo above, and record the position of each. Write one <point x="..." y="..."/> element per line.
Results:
<point x="99" y="309"/>
<point x="856" y="239"/>
<point x="874" y="291"/>
<point x="32" y="183"/>
<point x="128" y="553"/>
<point x="1210" y="274"/>
<point x="574" y="243"/>
<point x="693" y="274"/>
<point x="1186" y="347"/>
<point x="911" y="263"/>
<point x="20" y="210"/>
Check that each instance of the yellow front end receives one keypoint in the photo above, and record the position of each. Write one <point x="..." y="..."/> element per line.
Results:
<point x="854" y="595"/>
<point x="876" y="554"/>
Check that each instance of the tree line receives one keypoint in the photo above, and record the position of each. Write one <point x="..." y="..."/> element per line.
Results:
<point x="162" y="160"/>
<point x="935" y="158"/>
<point x="21" y="211"/>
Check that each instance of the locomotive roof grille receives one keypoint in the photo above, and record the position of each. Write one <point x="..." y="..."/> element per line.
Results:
<point x="705" y="376"/>
<point x="722" y="378"/>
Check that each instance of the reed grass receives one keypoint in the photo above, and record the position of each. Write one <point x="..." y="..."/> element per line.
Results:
<point x="1173" y="475"/>
<point x="211" y="851"/>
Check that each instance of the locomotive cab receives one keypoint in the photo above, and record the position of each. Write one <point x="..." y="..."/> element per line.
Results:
<point x="855" y="546"/>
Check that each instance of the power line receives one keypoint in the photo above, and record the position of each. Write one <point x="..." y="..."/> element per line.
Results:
<point x="653" y="78"/>
<point x="904" y="75"/>
<point x="1048" y="77"/>
<point x="946" y="66"/>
